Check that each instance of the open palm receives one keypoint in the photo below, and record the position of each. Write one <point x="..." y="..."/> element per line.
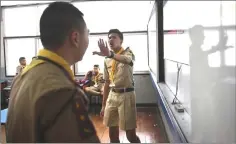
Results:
<point x="104" y="50"/>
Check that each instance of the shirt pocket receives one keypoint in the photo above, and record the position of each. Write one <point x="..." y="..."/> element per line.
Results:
<point x="120" y="68"/>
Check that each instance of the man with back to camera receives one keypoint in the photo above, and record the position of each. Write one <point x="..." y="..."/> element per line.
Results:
<point x="22" y="65"/>
<point x="119" y="103"/>
<point x="46" y="106"/>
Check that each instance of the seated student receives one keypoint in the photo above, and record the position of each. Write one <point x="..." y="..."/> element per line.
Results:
<point x="22" y="65"/>
<point x="95" y="84"/>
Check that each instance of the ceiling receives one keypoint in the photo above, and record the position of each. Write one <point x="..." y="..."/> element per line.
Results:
<point x="11" y="3"/>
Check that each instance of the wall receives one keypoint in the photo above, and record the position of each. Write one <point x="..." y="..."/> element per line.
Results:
<point x="145" y="92"/>
<point x="207" y="76"/>
<point x="152" y="42"/>
<point x="1" y="52"/>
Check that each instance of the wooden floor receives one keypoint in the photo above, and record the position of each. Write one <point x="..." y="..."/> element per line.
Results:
<point x="150" y="127"/>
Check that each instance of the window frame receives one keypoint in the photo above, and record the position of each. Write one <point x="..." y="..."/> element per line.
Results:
<point x="75" y="65"/>
<point x="3" y="10"/>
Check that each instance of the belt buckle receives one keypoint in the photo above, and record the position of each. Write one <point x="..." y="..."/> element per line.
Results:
<point x="124" y="90"/>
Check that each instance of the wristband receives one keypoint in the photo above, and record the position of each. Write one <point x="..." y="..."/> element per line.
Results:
<point x="111" y="55"/>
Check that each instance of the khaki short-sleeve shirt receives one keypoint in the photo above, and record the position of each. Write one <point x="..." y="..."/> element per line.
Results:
<point x="123" y="77"/>
<point x="45" y="106"/>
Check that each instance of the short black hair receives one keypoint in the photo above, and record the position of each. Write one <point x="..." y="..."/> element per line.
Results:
<point x="21" y="58"/>
<point x="116" y="31"/>
<point x="56" y="22"/>
<point x="96" y="65"/>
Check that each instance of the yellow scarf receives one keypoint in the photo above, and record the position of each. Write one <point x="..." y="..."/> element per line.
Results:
<point x="53" y="57"/>
<point x="113" y="66"/>
<point x="95" y="77"/>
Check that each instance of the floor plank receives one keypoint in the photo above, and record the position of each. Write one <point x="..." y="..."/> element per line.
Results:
<point x="149" y="127"/>
<point x="3" y="137"/>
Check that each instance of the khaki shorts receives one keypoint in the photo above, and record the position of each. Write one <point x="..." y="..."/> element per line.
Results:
<point x="98" y="88"/>
<point x="120" y="110"/>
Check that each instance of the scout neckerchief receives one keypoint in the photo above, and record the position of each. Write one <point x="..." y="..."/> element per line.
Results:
<point x="113" y="66"/>
<point x="52" y="57"/>
<point x="96" y="77"/>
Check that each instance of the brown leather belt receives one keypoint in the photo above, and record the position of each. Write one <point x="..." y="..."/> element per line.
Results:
<point x="122" y="90"/>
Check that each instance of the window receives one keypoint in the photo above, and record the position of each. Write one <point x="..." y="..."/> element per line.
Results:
<point x="124" y="15"/>
<point x="177" y="47"/>
<point x="136" y="42"/>
<point x="229" y="53"/>
<point x="39" y="45"/>
<point x="24" y="21"/>
<point x="40" y="10"/>
<point x="186" y="14"/>
<point x="228" y="12"/>
<point x="16" y="48"/>
<point x="20" y="21"/>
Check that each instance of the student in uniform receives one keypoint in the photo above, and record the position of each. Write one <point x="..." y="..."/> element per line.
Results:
<point x="46" y="106"/>
<point x="96" y="82"/>
<point x="22" y="65"/>
<point x="119" y="99"/>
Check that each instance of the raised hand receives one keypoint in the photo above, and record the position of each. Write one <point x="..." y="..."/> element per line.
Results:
<point x="104" y="50"/>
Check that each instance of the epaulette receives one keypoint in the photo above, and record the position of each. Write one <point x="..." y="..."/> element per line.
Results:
<point x="128" y="49"/>
<point x="85" y="126"/>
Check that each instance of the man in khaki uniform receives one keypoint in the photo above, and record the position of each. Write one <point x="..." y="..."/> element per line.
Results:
<point x="45" y="103"/>
<point x="119" y="104"/>
<point x="22" y="65"/>
<point x="95" y="86"/>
